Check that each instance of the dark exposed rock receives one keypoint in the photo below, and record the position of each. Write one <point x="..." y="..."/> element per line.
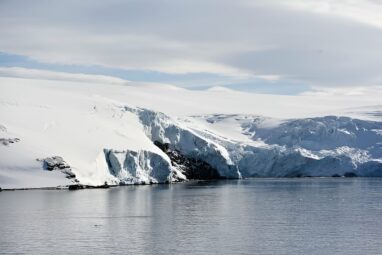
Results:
<point x="193" y="169"/>
<point x="76" y="187"/>
<point x="7" y="141"/>
<point x="56" y="162"/>
<point x="165" y="147"/>
<point x="69" y="173"/>
<point x="1" y="190"/>
<point x="336" y="175"/>
<point x="350" y="174"/>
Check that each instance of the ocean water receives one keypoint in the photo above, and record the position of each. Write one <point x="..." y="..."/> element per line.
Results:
<point x="258" y="216"/>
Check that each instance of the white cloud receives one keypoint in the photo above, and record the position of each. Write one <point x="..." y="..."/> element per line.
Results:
<point x="321" y="43"/>
<point x="365" y="11"/>
<point x="18" y="72"/>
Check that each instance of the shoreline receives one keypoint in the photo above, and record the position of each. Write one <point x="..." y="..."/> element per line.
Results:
<point x="84" y="187"/>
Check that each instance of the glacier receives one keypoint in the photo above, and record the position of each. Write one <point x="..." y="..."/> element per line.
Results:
<point x="70" y="132"/>
<point x="324" y="146"/>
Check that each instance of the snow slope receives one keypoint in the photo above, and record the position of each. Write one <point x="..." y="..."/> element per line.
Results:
<point x="106" y="132"/>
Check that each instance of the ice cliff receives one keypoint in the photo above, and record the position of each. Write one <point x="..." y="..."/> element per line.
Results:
<point x="325" y="146"/>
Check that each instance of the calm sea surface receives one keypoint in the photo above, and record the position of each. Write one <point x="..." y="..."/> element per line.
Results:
<point x="259" y="216"/>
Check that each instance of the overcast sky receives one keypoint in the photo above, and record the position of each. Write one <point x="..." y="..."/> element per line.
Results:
<point x="277" y="46"/>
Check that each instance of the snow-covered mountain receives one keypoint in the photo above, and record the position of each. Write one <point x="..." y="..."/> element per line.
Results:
<point x="59" y="132"/>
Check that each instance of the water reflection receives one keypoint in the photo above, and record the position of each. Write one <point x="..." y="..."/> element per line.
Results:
<point x="260" y="216"/>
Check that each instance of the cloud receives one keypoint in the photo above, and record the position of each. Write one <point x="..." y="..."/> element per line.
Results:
<point x="26" y="73"/>
<point x="364" y="11"/>
<point x="321" y="43"/>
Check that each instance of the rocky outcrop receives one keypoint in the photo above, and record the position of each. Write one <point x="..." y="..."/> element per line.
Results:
<point x="57" y="163"/>
<point x="193" y="169"/>
<point x="76" y="187"/>
<point x="4" y="140"/>
<point x="8" y="141"/>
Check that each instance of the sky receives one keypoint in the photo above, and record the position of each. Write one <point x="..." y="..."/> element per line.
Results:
<point x="266" y="46"/>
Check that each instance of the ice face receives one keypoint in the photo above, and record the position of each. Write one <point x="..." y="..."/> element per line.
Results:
<point x="323" y="146"/>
